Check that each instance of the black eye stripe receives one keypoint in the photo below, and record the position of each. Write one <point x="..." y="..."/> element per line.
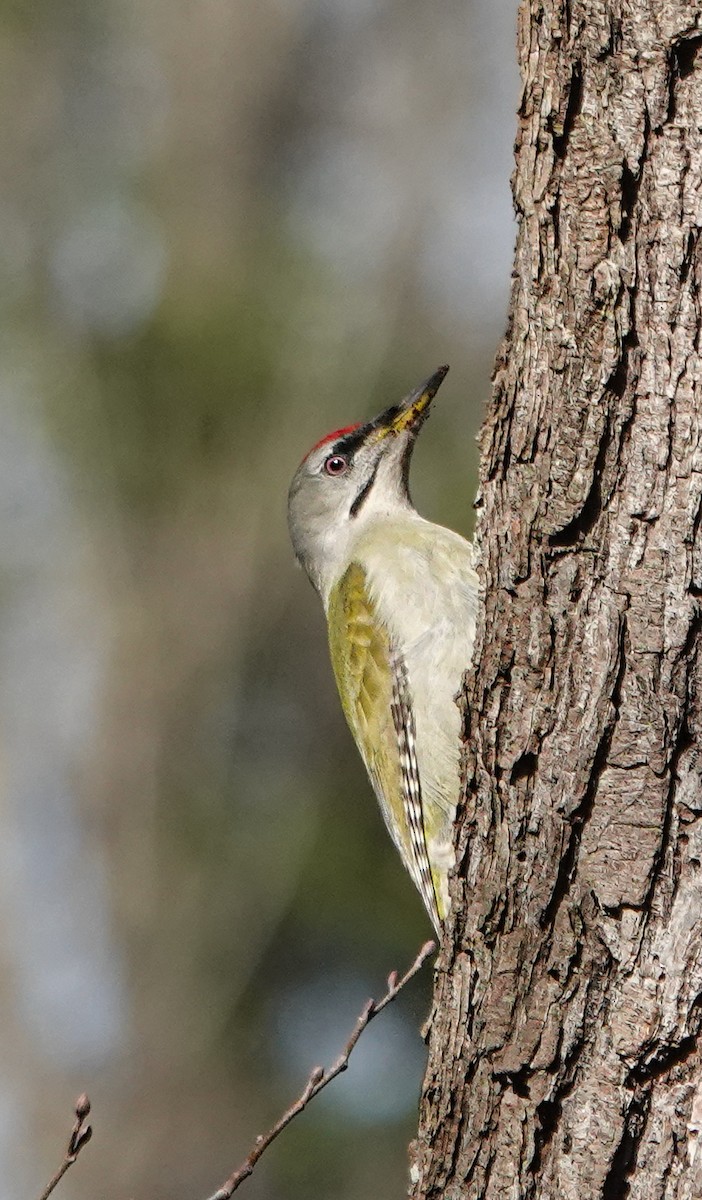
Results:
<point x="348" y="444"/>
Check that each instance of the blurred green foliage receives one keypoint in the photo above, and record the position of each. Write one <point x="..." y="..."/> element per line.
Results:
<point x="164" y="371"/>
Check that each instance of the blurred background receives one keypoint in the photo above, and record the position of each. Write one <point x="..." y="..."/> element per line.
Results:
<point x="227" y="229"/>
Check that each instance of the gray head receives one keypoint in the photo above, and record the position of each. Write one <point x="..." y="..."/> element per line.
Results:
<point x="351" y="477"/>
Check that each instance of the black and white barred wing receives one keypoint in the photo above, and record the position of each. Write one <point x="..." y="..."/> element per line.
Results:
<point x="375" y="694"/>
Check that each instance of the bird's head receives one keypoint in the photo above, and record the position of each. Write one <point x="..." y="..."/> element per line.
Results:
<point x="352" y="476"/>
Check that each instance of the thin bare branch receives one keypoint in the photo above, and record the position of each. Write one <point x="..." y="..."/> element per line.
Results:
<point x="319" y="1077"/>
<point x="81" y="1134"/>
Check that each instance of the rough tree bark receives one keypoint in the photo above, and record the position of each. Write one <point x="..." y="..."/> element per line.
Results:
<point x="565" y="1057"/>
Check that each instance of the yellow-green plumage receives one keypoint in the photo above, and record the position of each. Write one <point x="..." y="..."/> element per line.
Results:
<point x="402" y="618"/>
<point x="400" y="595"/>
<point x="363" y="662"/>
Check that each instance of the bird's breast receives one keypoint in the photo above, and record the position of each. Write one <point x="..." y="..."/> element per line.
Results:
<point x="425" y="590"/>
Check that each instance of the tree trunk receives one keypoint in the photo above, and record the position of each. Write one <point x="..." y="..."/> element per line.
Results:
<point x="565" y="1057"/>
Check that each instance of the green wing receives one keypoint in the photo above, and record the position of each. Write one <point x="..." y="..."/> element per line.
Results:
<point x="373" y="687"/>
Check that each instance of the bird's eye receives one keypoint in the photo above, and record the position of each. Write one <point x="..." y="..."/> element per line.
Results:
<point x="336" y="464"/>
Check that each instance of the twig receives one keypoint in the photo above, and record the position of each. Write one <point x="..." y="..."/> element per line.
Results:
<point x="80" y="1136"/>
<point x="319" y="1078"/>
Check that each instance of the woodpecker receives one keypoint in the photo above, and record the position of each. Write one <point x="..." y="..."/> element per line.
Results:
<point x="400" y="596"/>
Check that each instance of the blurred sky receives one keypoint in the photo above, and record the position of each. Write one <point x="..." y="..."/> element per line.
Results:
<point x="227" y="228"/>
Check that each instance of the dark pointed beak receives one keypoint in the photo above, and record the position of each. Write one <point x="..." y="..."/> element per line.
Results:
<point x="410" y="414"/>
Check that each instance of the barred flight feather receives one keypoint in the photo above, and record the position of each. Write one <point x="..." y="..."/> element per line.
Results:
<point x="374" y="689"/>
<point x="403" y="720"/>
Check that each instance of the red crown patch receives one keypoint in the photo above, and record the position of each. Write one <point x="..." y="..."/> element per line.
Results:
<point x="332" y="437"/>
